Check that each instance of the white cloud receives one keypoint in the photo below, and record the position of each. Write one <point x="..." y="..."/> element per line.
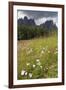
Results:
<point x="21" y="14"/>
<point x="39" y="20"/>
<point x="44" y="19"/>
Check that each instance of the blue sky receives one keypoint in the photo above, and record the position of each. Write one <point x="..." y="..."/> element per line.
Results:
<point x="39" y="16"/>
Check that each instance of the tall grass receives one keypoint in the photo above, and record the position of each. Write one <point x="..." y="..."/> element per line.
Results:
<point x="37" y="58"/>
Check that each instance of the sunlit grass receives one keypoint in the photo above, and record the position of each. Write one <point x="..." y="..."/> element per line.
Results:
<point x="37" y="58"/>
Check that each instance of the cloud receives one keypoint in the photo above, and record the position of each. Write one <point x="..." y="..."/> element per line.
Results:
<point x="39" y="16"/>
<point x="44" y="19"/>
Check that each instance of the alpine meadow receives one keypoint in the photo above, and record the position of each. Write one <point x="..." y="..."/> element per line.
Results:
<point x="37" y="44"/>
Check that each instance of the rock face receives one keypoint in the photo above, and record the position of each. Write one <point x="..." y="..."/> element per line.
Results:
<point x="26" y="21"/>
<point x="49" y="25"/>
<point x="27" y="29"/>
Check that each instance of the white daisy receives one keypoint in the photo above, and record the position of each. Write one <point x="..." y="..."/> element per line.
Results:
<point x="37" y="60"/>
<point x="28" y="64"/>
<point x="25" y="73"/>
<point x="48" y="51"/>
<point x="42" y="51"/>
<point x="41" y="67"/>
<point x="47" y="68"/>
<point x="22" y="72"/>
<point x="43" y="48"/>
<point x="30" y="75"/>
<point x="34" y="65"/>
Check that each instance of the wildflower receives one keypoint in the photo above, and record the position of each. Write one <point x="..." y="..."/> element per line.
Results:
<point x="28" y="64"/>
<point x="34" y="66"/>
<point x="47" y="68"/>
<point x="30" y="75"/>
<point x="43" y="48"/>
<point x="37" y="60"/>
<point x="25" y="73"/>
<point x="48" y="51"/>
<point x="41" y="67"/>
<point x="22" y="72"/>
<point x="42" y="51"/>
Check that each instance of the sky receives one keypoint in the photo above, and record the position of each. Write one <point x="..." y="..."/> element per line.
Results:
<point x="39" y="16"/>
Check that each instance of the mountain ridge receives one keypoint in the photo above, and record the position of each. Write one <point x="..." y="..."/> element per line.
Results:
<point x="49" y="24"/>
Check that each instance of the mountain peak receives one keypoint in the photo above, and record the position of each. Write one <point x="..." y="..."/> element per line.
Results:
<point x="25" y="18"/>
<point x="26" y="21"/>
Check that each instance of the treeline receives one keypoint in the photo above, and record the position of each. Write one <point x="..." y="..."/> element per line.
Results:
<point x="26" y="32"/>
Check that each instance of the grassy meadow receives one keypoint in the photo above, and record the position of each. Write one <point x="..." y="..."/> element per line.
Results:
<point x="37" y="58"/>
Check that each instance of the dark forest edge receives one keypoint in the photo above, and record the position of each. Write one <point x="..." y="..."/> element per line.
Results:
<point x="27" y="29"/>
